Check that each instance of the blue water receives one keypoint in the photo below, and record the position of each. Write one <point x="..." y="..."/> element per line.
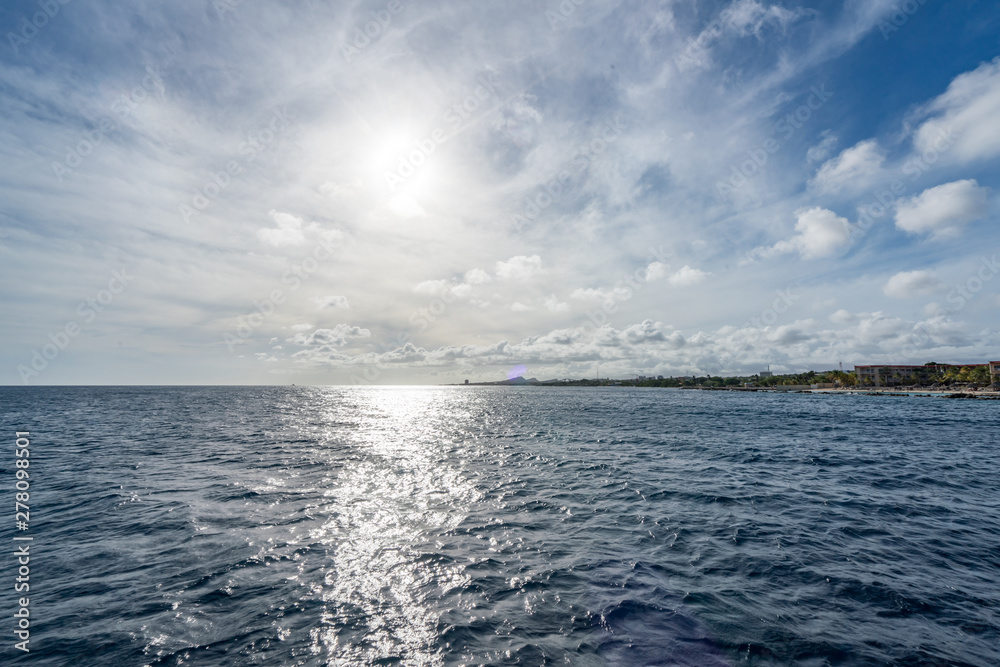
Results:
<point x="503" y="526"/>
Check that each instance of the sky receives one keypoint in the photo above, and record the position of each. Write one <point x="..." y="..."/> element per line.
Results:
<point x="386" y="192"/>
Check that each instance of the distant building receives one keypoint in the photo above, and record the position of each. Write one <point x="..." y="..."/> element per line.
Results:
<point x="466" y="382"/>
<point x="878" y="375"/>
<point x="764" y="374"/>
<point x="995" y="372"/>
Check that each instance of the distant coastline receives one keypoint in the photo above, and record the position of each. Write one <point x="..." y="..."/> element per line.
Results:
<point x="709" y="383"/>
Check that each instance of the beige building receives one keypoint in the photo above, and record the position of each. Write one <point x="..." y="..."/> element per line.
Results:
<point x="879" y="375"/>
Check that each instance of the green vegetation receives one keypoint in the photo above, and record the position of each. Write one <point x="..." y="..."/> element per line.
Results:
<point x="935" y="376"/>
<point x="811" y="377"/>
<point x="979" y="375"/>
<point x="951" y="376"/>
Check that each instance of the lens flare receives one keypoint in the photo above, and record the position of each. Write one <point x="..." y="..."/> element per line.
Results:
<point x="517" y="371"/>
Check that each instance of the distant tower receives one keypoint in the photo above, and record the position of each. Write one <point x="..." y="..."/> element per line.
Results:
<point x="466" y="382"/>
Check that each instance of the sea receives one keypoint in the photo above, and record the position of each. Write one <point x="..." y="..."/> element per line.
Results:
<point x="502" y="526"/>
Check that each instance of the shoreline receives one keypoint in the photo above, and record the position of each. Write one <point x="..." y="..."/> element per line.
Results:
<point x="872" y="391"/>
<point x="984" y="394"/>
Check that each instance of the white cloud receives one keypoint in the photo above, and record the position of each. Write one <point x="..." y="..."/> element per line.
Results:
<point x="750" y="16"/>
<point x="477" y="277"/>
<point x="842" y="316"/>
<point x="440" y="287"/>
<point x="292" y="231"/>
<point x="335" y="190"/>
<point x="289" y="231"/>
<point x="942" y="210"/>
<point x="657" y="271"/>
<point x="968" y="113"/>
<point x="519" y="307"/>
<point x="519" y="268"/>
<point x="331" y="301"/>
<point x="472" y="277"/>
<point x="554" y="304"/>
<point x="305" y="326"/>
<point x="431" y="287"/>
<point x="820" y="233"/>
<point x="338" y="336"/>
<point x="601" y="294"/>
<point x="685" y="275"/>
<point x="741" y="18"/>
<point x="656" y="347"/>
<point x="934" y="309"/>
<point x="823" y="149"/>
<point x="854" y="167"/>
<point x="906" y="284"/>
<point x="648" y="331"/>
<point x="688" y="276"/>
<point x="406" y="207"/>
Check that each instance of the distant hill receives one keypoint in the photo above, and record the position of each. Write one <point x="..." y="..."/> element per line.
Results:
<point x="518" y="380"/>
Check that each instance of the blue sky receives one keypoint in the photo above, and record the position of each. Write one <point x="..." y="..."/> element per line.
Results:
<point x="252" y="192"/>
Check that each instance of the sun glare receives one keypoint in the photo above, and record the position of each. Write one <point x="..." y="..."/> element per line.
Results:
<point x="408" y="165"/>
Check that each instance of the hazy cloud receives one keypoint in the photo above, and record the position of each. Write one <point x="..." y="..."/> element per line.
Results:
<point x="819" y="233"/>
<point x="854" y="167"/>
<point x="519" y="268"/>
<point x="944" y="209"/>
<point x="968" y="111"/>
<point x="906" y="284"/>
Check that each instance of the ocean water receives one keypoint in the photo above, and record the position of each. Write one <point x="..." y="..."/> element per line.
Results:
<point x="505" y="526"/>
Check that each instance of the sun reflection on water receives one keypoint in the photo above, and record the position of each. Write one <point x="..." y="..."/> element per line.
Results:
<point x="403" y="486"/>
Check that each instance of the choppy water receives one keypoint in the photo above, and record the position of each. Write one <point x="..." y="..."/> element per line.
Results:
<point x="449" y="526"/>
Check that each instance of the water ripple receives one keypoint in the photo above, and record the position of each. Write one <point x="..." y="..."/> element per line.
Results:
<point x="509" y="526"/>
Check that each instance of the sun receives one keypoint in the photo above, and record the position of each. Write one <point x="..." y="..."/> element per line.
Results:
<point x="408" y="165"/>
<point x="388" y="147"/>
